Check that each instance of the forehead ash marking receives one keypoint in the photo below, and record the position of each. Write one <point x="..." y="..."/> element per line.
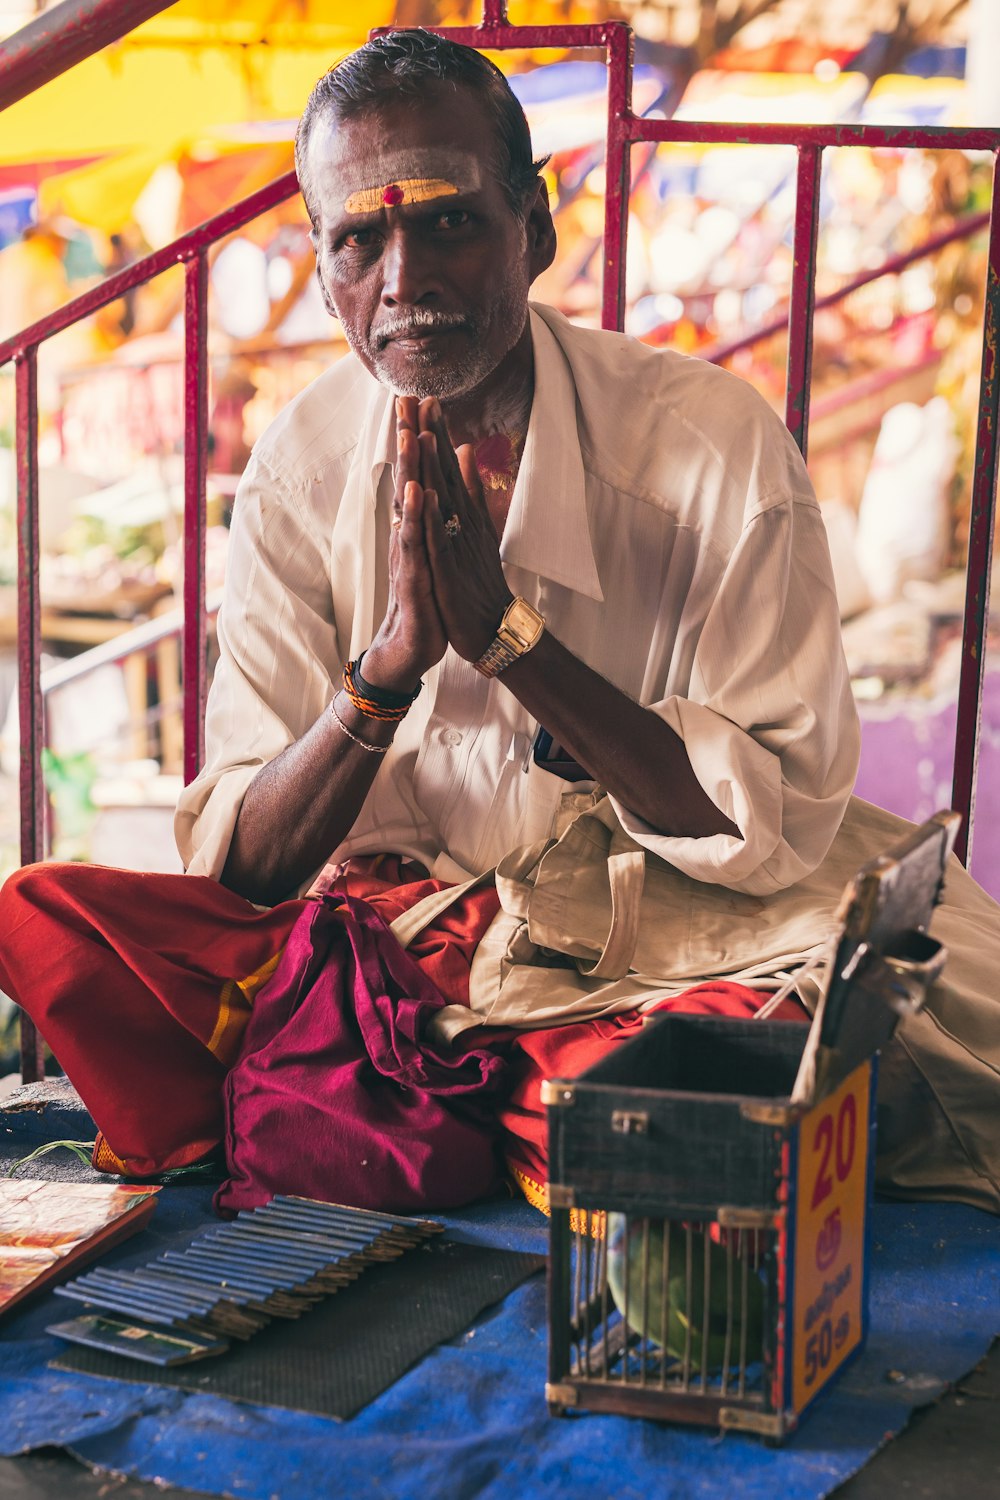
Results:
<point x="409" y="190"/>
<point x="368" y="181"/>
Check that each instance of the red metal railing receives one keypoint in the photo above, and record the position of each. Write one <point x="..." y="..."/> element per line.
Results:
<point x="19" y="73"/>
<point x="191" y="251"/>
<point x="962" y="229"/>
<point x="61" y="37"/>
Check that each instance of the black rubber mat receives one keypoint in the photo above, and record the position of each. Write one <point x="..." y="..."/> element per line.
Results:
<point x="336" y="1358"/>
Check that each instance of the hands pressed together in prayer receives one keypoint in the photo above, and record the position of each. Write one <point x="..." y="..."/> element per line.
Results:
<point x="446" y="583"/>
<point x="446" y="587"/>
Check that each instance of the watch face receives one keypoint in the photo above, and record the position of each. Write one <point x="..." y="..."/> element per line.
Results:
<point x="524" y="622"/>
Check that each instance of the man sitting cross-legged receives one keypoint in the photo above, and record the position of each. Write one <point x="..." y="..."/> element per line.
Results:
<point x="484" y="535"/>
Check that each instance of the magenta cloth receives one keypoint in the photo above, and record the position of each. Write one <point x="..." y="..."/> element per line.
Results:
<point x="337" y="1094"/>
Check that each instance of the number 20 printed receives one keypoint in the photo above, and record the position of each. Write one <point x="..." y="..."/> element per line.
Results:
<point x="836" y="1144"/>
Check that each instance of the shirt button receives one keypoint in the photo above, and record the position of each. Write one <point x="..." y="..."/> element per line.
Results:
<point x="451" y="737"/>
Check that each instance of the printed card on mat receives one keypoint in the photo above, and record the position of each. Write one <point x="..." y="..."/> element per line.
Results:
<point x="48" y="1229"/>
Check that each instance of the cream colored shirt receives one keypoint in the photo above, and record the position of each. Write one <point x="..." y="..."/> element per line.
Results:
<point x="664" y="525"/>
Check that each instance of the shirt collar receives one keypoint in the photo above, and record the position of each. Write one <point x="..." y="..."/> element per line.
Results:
<point x="379" y="437"/>
<point x="547" y="531"/>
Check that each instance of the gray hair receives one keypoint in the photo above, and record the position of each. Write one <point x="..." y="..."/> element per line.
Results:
<point x="402" y="63"/>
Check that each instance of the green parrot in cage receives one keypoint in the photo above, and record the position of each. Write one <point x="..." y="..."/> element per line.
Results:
<point x="672" y="1334"/>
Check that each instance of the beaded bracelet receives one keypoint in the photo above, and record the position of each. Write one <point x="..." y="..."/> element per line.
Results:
<point x="370" y="707"/>
<point x="372" y="749"/>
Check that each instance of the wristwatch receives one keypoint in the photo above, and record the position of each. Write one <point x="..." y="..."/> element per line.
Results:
<point x="519" y="630"/>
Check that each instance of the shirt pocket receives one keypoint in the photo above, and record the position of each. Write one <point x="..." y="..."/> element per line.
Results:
<point x="523" y="806"/>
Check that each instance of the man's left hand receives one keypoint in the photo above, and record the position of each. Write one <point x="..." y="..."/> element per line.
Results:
<point x="469" y="586"/>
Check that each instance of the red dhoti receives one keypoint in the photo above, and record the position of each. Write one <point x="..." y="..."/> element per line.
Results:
<point x="142" y="986"/>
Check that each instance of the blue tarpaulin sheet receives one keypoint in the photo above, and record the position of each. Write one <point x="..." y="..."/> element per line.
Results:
<point x="470" y="1419"/>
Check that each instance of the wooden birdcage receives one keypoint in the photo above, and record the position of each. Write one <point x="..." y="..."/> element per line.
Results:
<point x="710" y="1184"/>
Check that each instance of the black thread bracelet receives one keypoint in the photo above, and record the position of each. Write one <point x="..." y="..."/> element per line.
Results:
<point x="384" y="697"/>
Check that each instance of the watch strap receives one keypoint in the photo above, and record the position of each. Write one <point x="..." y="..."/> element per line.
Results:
<point x="506" y="645"/>
<point x="498" y="654"/>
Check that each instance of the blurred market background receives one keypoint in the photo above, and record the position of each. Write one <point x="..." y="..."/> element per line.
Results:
<point x="197" y="108"/>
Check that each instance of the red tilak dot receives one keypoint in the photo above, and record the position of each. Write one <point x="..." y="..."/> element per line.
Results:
<point x="392" y="195"/>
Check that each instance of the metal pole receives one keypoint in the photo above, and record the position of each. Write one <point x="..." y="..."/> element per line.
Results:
<point x="618" y="176"/>
<point x="195" y="454"/>
<point x="800" y="313"/>
<point x="981" y="524"/>
<point x="29" y="646"/>
<point x="29" y="625"/>
<point x="60" y="38"/>
<point x="728" y="133"/>
<point x="495" y="13"/>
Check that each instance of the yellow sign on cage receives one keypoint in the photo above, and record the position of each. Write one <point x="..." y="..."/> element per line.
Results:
<point x="829" y="1256"/>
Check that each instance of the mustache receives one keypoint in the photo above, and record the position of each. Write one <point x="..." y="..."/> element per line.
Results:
<point x="416" y="321"/>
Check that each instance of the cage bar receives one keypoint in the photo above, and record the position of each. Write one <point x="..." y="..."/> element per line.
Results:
<point x="727" y="1348"/>
<point x="644" y="1335"/>
<point x="706" y="1311"/>
<point x="664" y="1296"/>
<point x="688" y="1287"/>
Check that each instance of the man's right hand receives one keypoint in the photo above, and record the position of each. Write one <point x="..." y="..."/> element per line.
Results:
<point x="304" y="803"/>
<point x="411" y="638"/>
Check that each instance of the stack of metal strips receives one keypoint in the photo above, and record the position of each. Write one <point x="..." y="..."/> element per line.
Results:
<point x="271" y="1262"/>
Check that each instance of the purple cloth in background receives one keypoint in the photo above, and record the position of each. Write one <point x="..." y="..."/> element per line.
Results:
<point x="336" y="1094"/>
<point x="907" y="756"/>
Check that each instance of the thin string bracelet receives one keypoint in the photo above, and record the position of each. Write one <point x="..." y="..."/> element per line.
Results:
<point x="372" y="749"/>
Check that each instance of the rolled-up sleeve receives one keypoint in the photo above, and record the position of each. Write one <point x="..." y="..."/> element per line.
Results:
<point x="769" y="722"/>
<point x="278" y="658"/>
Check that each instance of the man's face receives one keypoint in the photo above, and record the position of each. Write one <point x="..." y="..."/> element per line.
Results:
<point x="417" y="248"/>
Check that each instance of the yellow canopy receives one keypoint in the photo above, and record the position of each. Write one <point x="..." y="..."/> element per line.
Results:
<point x="194" y="67"/>
<point x="205" y="63"/>
<point x="129" y="96"/>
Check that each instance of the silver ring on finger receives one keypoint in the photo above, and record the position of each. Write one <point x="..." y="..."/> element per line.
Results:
<point x="453" y="526"/>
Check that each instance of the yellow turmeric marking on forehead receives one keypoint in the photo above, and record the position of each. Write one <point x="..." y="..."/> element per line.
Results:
<point x="394" y="194"/>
